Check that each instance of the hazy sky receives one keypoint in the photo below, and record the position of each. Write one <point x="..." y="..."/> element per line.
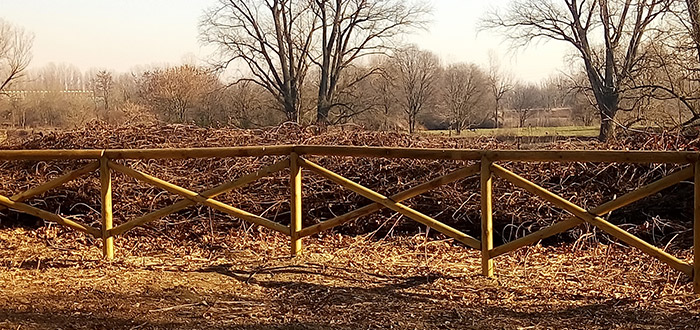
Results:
<point x="121" y="35"/>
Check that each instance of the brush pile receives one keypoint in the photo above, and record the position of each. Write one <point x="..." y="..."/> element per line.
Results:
<point x="664" y="218"/>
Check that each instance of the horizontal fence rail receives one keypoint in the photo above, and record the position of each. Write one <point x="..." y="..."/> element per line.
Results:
<point x="484" y="166"/>
<point x="604" y="156"/>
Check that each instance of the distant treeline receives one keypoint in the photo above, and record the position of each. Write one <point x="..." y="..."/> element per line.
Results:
<point x="457" y="97"/>
<point x="339" y="62"/>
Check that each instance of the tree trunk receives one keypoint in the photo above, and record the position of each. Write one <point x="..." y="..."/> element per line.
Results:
<point x="607" y="108"/>
<point x="290" y="110"/>
<point x="607" y="130"/>
<point x="322" y="111"/>
<point x="495" y="118"/>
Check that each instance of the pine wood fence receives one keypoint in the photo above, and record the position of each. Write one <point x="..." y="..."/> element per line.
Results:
<point x="106" y="161"/>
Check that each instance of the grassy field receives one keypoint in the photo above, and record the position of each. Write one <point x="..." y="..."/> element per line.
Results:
<point x="564" y="131"/>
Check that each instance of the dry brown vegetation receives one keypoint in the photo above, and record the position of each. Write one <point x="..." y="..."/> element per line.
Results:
<point x="200" y="269"/>
<point x="52" y="279"/>
<point x="661" y="217"/>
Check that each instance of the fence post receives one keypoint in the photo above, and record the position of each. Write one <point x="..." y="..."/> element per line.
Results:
<point x="487" y="267"/>
<point x="295" y="203"/>
<point x="696" y="230"/>
<point x="106" y="195"/>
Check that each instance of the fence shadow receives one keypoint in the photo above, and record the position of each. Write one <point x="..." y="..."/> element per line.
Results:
<point x="367" y="308"/>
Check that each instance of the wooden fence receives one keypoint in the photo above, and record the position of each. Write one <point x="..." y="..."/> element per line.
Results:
<point x="486" y="166"/>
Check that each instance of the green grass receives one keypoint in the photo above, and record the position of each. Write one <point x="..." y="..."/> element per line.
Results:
<point x="571" y="131"/>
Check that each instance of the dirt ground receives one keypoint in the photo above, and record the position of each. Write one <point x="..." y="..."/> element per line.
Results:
<point x="54" y="279"/>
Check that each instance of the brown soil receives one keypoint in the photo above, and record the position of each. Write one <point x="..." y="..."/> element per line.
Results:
<point x="51" y="278"/>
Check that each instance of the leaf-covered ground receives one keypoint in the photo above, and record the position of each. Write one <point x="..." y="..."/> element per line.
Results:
<point x="54" y="279"/>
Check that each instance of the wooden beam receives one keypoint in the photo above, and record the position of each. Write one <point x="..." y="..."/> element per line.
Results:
<point x="389" y="152"/>
<point x="487" y="267"/>
<point x="180" y="153"/>
<point x="193" y="196"/>
<point x="594" y="220"/>
<point x="211" y="193"/>
<point x="24" y="208"/>
<point x="696" y="230"/>
<point x="295" y="203"/>
<point x="603" y="209"/>
<point x="605" y="156"/>
<point x="393" y="205"/>
<point x="162" y="153"/>
<point x="543" y="233"/>
<point x="107" y="219"/>
<point x="56" y="154"/>
<point x="57" y="182"/>
<point x="402" y="196"/>
<point x="596" y="156"/>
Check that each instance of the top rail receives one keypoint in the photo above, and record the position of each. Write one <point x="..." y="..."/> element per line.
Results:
<point x="603" y="156"/>
<point x="164" y="153"/>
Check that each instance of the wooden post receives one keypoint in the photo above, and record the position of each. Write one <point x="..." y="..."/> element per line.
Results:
<point x="295" y="203"/>
<point x="486" y="218"/>
<point x="106" y="194"/>
<point x="696" y="231"/>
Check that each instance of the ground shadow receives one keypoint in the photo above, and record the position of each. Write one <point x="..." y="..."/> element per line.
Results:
<point x="311" y="296"/>
<point x="611" y="314"/>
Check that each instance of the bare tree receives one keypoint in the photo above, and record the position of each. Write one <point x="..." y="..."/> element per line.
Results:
<point x="376" y="97"/>
<point x="55" y="77"/>
<point x="673" y="65"/>
<point x="103" y="85"/>
<point x="351" y="29"/>
<point x="619" y="24"/>
<point x="15" y="53"/>
<point x="417" y="74"/>
<point x="523" y="100"/>
<point x="464" y="89"/>
<point x="249" y="106"/>
<point x="584" y="110"/>
<point x="181" y="93"/>
<point x="691" y="22"/>
<point x="269" y="38"/>
<point x="500" y="83"/>
<point x="555" y="91"/>
<point x="384" y="90"/>
<point x="354" y="95"/>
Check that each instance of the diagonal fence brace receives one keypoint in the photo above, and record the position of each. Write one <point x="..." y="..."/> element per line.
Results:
<point x="391" y="204"/>
<point x="198" y="198"/>
<point x="400" y="197"/>
<point x="603" y="209"/>
<point x="55" y="183"/>
<point x="211" y="193"/>
<point x="593" y="219"/>
<point x="28" y="209"/>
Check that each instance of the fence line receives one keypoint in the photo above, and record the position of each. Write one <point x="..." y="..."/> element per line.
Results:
<point x="604" y="156"/>
<point x="485" y="164"/>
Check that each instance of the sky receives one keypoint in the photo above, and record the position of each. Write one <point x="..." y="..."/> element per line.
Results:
<point x="127" y="34"/>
